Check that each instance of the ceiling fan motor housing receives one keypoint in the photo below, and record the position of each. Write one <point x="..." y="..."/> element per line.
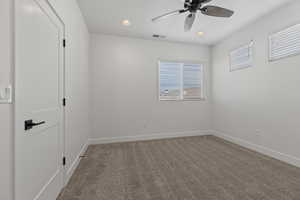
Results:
<point x="194" y="5"/>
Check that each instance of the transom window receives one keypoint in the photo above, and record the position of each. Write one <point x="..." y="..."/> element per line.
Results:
<point x="285" y="43"/>
<point x="241" y="57"/>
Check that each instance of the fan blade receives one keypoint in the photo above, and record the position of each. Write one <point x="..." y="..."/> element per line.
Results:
<point x="216" y="11"/>
<point x="189" y="21"/>
<point x="206" y="1"/>
<point x="176" y="12"/>
<point x="187" y="2"/>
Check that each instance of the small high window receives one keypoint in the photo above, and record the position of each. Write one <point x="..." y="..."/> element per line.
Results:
<point x="241" y="57"/>
<point x="285" y="43"/>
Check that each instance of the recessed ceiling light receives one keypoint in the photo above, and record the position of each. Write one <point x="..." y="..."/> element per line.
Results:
<point x="200" y="33"/>
<point x="126" y="22"/>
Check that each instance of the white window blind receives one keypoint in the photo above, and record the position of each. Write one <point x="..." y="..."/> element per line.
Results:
<point x="242" y="57"/>
<point x="192" y="81"/>
<point x="179" y="81"/>
<point x="170" y="80"/>
<point x="285" y="43"/>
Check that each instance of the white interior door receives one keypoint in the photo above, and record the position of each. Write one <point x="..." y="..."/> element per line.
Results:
<point x="39" y="128"/>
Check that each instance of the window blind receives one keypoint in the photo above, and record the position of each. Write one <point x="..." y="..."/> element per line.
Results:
<point x="192" y="81"/>
<point x="170" y="80"/>
<point x="285" y="43"/>
<point x="242" y="57"/>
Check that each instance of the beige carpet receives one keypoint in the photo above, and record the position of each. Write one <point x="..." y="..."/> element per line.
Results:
<point x="195" y="168"/>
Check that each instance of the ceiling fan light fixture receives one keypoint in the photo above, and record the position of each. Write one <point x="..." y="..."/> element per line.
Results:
<point x="200" y="33"/>
<point x="126" y="22"/>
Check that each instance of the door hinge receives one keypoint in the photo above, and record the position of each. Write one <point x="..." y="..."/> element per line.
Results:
<point x="64" y="101"/>
<point x="64" y="161"/>
<point x="64" y="42"/>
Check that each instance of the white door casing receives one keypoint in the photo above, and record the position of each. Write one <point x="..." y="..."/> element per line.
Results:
<point x="39" y="90"/>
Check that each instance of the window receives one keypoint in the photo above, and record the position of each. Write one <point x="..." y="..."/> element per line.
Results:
<point x="180" y="81"/>
<point x="242" y="57"/>
<point x="285" y="43"/>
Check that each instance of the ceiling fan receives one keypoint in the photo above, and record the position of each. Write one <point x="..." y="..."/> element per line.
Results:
<point x="193" y="6"/>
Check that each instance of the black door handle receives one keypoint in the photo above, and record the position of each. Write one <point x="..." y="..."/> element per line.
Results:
<point x="29" y="124"/>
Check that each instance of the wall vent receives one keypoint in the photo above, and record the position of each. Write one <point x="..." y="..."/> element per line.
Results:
<point x="159" y="36"/>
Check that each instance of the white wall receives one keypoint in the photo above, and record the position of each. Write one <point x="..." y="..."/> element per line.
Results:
<point x="6" y="134"/>
<point x="260" y="105"/>
<point x="124" y="74"/>
<point x="77" y="88"/>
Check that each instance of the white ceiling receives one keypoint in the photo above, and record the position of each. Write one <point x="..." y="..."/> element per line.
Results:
<point x="105" y="16"/>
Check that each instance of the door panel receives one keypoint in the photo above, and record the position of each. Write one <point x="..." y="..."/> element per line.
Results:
<point x="41" y="44"/>
<point x="39" y="77"/>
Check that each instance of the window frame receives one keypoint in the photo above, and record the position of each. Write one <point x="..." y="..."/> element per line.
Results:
<point x="182" y="99"/>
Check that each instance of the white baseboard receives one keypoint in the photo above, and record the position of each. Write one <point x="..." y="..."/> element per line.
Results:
<point x="148" y="137"/>
<point x="261" y="149"/>
<point x="75" y="163"/>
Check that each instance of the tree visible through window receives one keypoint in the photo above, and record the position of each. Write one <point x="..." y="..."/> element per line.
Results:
<point x="180" y="81"/>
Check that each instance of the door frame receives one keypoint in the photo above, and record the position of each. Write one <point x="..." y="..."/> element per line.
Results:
<point x="14" y="71"/>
